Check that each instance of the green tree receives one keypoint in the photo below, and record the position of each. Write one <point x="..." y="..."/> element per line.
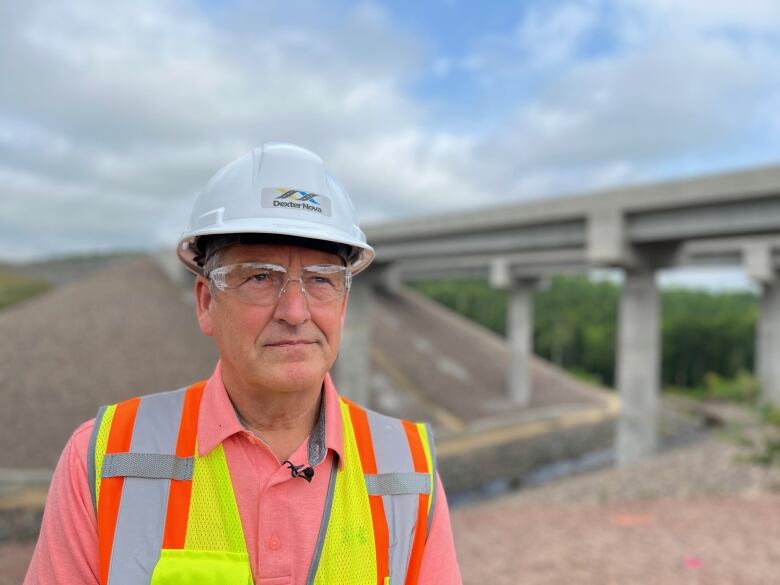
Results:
<point x="575" y="326"/>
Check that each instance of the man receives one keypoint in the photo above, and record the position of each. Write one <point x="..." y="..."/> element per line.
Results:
<point x="261" y="474"/>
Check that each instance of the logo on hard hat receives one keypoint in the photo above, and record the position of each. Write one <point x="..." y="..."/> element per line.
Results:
<point x="284" y="198"/>
<point x="294" y="195"/>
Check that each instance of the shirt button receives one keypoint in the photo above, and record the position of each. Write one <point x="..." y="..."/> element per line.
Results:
<point x="274" y="543"/>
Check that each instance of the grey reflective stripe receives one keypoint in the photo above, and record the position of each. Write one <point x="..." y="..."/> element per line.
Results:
<point x="432" y="508"/>
<point x="91" y="455"/>
<point x="149" y="465"/>
<point x="144" y="502"/>
<point x="391" y="484"/>
<point x="391" y="448"/>
<point x="315" y="560"/>
<point x="393" y="456"/>
<point x="317" y="448"/>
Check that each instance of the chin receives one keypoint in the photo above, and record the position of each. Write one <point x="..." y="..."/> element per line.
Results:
<point x="292" y="377"/>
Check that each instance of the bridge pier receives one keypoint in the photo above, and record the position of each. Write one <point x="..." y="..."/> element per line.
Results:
<point x="519" y="329"/>
<point x="638" y="366"/>
<point x="520" y="336"/>
<point x="768" y="343"/>
<point x="352" y="370"/>
<point x="758" y="260"/>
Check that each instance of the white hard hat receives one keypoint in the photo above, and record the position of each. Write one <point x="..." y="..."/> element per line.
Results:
<point x="276" y="189"/>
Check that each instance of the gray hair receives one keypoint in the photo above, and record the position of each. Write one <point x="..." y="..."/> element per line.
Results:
<point x="213" y="261"/>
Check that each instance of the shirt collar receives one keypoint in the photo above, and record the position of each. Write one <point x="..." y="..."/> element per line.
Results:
<point x="219" y="420"/>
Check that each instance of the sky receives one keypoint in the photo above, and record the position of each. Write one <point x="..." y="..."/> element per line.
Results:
<point x="114" y="114"/>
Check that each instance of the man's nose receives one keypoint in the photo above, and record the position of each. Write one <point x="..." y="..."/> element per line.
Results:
<point x="292" y="306"/>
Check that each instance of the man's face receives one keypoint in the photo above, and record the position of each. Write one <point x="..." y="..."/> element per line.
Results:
<point x="287" y="346"/>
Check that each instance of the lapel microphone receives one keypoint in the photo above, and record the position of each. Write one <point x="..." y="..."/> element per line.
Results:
<point x="301" y="471"/>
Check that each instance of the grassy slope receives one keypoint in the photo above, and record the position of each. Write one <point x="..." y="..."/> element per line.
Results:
<point x="15" y="287"/>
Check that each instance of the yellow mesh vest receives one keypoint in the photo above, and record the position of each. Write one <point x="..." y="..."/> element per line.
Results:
<point x="348" y="554"/>
<point x="214" y="522"/>
<point x="215" y="548"/>
<point x="215" y="543"/>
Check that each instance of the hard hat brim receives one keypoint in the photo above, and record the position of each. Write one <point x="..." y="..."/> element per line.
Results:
<point x="186" y="248"/>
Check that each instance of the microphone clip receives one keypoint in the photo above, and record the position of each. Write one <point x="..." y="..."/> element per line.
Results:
<point x="301" y="471"/>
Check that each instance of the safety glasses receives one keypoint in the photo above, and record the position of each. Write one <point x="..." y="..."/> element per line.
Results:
<point x="262" y="284"/>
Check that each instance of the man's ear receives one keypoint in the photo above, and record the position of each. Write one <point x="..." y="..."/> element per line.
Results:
<point x="203" y="300"/>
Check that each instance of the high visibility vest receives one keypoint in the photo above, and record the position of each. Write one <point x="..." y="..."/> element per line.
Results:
<point x="166" y="515"/>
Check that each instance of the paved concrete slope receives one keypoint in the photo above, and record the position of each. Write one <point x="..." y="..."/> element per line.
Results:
<point x="121" y="332"/>
<point x="453" y="371"/>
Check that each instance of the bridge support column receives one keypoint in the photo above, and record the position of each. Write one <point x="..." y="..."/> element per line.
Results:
<point x="352" y="371"/>
<point x="520" y="335"/>
<point x="638" y="367"/>
<point x="768" y="343"/>
<point x="758" y="259"/>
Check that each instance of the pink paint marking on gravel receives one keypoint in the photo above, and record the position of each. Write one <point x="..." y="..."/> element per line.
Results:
<point x="692" y="562"/>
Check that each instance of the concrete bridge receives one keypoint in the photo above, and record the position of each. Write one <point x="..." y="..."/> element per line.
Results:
<point x="730" y="219"/>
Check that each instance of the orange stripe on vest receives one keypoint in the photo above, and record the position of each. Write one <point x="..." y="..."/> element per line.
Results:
<point x="366" y="448"/>
<point x="119" y="440"/>
<point x="180" y="494"/>
<point x="421" y="466"/>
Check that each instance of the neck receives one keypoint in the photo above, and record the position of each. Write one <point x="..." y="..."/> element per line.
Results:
<point x="282" y="419"/>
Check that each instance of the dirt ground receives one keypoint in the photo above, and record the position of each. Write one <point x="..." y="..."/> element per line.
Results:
<point x="734" y="540"/>
<point x="701" y="514"/>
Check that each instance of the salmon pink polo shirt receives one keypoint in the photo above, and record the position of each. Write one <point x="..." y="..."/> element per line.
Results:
<point x="280" y="514"/>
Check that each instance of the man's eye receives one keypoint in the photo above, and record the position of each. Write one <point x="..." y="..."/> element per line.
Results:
<point x="261" y="277"/>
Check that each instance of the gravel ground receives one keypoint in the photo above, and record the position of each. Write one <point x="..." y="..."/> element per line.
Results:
<point x="713" y="466"/>
<point x="698" y="514"/>
<point x="720" y="540"/>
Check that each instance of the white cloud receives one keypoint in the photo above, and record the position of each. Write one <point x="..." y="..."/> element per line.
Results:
<point x="666" y="81"/>
<point x="119" y="112"/>
<point x="694" y="17"/>
<point x="551" y="33"/>
<point x="409" y="172"/>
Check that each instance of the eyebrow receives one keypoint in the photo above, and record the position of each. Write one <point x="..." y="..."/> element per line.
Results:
<point x="321" y="263"/>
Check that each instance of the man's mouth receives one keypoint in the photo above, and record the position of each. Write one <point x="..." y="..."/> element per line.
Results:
<point x="289" y="342"/>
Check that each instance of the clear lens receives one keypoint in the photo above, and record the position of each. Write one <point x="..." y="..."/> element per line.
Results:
<point x="262" y="284"/>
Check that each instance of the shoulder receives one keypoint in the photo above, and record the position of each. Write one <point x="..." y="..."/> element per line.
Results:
<point x="386" y="428"/>
<point x="380" y="419"/>
<point x="154" y="397"/>
<point x="156" y="410"/>
<point x="69" y="482"/>
<point x="76" y="447"/>
<point x="397" y="445"/>
<point x="159" y="408"/>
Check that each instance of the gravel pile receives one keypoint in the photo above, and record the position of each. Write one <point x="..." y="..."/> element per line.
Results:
<point x="122" y="332"/>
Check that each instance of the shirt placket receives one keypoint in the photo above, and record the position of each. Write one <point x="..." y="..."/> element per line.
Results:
<point x="275" y="549"/>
